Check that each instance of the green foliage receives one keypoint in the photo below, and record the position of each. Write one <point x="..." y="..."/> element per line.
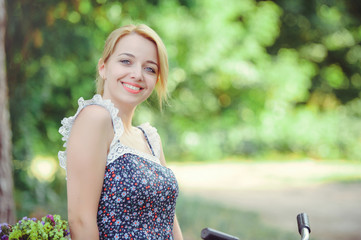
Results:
<point x="230" y="69"/>
<point x="51" y="227"/>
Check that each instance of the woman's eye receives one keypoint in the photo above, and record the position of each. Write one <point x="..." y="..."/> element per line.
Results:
<point x="150" y="69"/>
<point x="125" y="61"/>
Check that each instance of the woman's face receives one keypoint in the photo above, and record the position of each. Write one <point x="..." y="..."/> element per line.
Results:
<point x="131" y="72"/>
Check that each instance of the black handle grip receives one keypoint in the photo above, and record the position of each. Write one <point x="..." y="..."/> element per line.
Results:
<point x="211" y="234"/>
<point x="302" y="221"/>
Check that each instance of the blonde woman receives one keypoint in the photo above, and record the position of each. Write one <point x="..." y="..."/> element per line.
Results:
<point x="118" y="184"/>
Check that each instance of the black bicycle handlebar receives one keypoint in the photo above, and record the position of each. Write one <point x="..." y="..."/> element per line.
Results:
<point x="302" y="221"/>
<point x="211" y="234"/>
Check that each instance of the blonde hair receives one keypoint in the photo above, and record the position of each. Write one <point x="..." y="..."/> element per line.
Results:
<point x="148" y="33"/>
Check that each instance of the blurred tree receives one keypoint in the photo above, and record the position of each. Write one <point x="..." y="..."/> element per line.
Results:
<point x="327" y="33"/>
<point x="7" y="210"/>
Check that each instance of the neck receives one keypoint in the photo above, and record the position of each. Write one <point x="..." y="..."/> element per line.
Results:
<point x="126" y="115"/>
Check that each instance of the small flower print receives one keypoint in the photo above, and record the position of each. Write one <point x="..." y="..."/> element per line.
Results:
<point x="133" y="203"/>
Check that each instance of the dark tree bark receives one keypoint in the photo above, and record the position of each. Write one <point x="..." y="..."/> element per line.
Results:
<point x="6" y="180"/>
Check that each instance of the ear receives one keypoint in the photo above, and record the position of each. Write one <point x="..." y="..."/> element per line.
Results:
<point x="101" y="68"/>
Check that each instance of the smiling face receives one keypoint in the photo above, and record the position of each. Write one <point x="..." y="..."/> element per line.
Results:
<point x="131" y="71"/>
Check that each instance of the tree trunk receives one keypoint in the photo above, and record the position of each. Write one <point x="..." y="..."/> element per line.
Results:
<point x="6" y="180"/>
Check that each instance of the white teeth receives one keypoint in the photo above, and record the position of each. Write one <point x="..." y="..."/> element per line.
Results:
<point x="131" y="87"/>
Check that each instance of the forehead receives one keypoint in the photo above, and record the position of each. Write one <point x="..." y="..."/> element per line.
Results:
<point x="138" y="46"/>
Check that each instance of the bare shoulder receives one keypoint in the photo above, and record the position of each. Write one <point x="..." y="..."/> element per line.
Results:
<point x="95" y="113"/>
<point x="94" y="121"/>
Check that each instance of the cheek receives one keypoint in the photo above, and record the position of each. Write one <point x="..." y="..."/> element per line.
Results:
<point x="152" y="82"/>
<point x="117" y="75"/>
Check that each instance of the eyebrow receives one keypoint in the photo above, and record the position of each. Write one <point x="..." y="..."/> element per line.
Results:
<point x="131" y="55"/>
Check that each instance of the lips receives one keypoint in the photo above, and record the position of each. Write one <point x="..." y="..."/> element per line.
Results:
<point x="132" y="88"/>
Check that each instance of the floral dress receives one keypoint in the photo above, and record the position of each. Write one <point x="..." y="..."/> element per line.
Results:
<point x="139" y="195"/>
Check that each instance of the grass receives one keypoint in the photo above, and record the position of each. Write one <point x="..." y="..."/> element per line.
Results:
<point x="194" y="214"/>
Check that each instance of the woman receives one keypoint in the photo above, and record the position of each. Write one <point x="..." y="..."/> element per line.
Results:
<point x="118" y="184"/>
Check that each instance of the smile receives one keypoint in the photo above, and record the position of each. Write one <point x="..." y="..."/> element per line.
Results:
<point x="131" y="88"/>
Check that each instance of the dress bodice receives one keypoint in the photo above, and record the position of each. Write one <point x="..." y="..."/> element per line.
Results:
<point x="138" y="200"/>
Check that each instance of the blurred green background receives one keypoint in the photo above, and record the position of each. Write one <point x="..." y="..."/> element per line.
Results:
<point x="248" y="80"/>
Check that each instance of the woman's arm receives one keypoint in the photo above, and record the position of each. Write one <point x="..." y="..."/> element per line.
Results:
<point x="87" y="149"/>
<point x="177" y="233"/>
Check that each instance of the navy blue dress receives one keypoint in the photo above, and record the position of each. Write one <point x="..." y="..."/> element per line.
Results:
<point x="138" y="197"/>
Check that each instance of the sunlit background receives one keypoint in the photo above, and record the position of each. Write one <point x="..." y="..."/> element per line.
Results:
<point x="263" y="119"/>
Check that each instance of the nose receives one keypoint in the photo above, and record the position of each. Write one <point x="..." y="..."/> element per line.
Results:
<point x="136" y="73"/>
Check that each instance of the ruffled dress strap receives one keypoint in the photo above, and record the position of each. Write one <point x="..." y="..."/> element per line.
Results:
<point x="67" y="123"/>
<point x="153" y="138"/>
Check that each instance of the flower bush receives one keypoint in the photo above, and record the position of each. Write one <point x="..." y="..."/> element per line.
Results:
<point x="51" y="227"/>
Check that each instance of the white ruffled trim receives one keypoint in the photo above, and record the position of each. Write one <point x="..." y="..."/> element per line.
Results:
<point x="116" y="148"/>
<point x="153" y="138"/>
<point x="121" y="149"/>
